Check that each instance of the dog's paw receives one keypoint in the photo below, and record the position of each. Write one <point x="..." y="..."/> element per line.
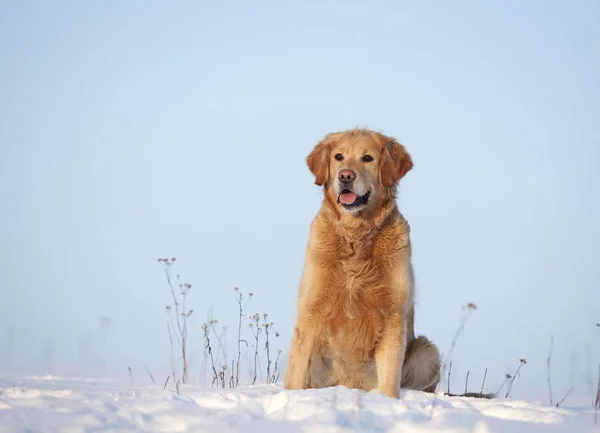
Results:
<point x="389" y="391"/>
<point x="293" y="383"/>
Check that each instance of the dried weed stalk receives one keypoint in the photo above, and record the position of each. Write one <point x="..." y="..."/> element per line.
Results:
<point x="510" y="384"/>
<point x="268" y="327"/>
<point x="483" y="383"/>
<point x="467" y="311"/>
<point x="241" y="307"/>
<point x="548" y="365"/>
<point x="256" y="331"/>
<point x="208" y="347"/>
<point x="181" y="313"/>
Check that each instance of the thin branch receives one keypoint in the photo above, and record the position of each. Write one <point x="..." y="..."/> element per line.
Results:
<point x="565" y="397"/>
<point x="483" y="382"/>
<point x="548" y="364"/>
<point x="449" y="373"/>
<point x="467" y="381"/>
<point x="209" y="348"/>
<point x="507" y="377"/>
<point x="275" y="376"/>
<point x="181" y="313"/>
<point x="523" y="362"/>
<point x="468" y="310"/>
<point x="219" y="338"/>
<point x="150" y="374"/>
<point x="597" y="403"/>
<point x="172" y="356"/>
<point x="239" y="339"/>
<point x="267" y="327"/>
<point x="256" y="330"/>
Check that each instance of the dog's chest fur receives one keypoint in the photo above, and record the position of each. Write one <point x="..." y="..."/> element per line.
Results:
<point x="357" y="297"/>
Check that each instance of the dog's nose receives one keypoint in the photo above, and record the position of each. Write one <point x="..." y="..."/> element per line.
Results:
<point x="346" y="176"/>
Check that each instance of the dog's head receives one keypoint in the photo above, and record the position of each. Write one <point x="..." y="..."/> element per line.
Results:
<point x="358" y="167"/>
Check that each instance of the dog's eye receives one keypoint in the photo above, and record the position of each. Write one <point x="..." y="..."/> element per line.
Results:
<point x="367" y="158"/>
<point x="339" y="157"/>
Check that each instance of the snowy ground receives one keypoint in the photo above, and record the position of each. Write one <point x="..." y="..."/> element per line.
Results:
<point x="51" y="404"/>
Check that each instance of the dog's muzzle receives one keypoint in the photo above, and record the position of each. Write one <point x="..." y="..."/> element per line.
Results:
<point x="349" y="200"/>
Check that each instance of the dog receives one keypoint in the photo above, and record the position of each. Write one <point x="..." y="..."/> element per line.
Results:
<point x="355" y="309"/>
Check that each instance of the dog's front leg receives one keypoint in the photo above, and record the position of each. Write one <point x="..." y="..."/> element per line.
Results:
<point x="301" y="348"/>
<point x="389" y="356"/>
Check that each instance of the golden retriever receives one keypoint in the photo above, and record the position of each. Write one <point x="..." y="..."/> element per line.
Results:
<point x="356" y="296"/>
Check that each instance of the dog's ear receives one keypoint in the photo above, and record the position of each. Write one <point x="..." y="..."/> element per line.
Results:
<point x="395" y="161"/>
<point x="318" y="159"/>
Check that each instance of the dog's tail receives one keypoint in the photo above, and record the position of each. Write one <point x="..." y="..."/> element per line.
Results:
<point x="421" y="368"/>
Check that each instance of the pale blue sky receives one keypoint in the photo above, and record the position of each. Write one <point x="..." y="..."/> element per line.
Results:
<point x="136" y="130"/>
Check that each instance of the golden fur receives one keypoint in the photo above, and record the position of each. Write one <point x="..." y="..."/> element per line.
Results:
<point x="356" y="296"/>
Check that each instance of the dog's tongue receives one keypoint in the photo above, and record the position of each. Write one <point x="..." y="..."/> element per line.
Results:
<point x="347" y="198"/>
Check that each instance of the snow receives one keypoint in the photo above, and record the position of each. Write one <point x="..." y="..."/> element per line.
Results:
<point x="58" y="404"/>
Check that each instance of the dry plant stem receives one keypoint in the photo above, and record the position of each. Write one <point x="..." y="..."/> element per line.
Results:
<point x="548" y="363"/>
<point x="449" y="373"/>
<point x="523" y="362"/>
<point x="166" y="381"/>
<point x="483" y="382"/>
<point x="204" y="358"/>
<point x="597" y="403"/>
<point x="220" y="345"/>
<point x="130" y="375"/>
<point x="150" y="374"/>
<point x="467" y="381"/>
<point x="268" y="355"/>
<point x="239" y="339"/>
<point x="256" y="330"/>
<point x="216" y="337"/>
<point x="222" y="375"/>
<point x="183" y="340"/>
<point x="172" y="356"/>
<point x="209" y="348"/>
<point x="468" y="309"/>
<point x="275" y="376"/>
<point x="267" y="327"/>
<point x="176" y="303"/>
<point x="507" y="377"/>
<point x="181" y="314"/>
<point x="562" y="400"/>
